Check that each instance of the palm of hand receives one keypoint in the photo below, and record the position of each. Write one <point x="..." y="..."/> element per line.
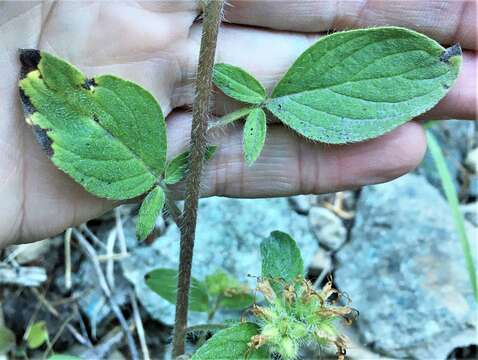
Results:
<point x="30" y="180"/>
<point x="156" y="45"/>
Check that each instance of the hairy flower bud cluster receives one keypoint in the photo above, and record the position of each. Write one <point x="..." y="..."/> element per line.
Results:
<point x="297" y="315"/>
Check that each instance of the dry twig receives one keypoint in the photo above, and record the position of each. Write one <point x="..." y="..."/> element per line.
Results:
<point x="91" y="254"/>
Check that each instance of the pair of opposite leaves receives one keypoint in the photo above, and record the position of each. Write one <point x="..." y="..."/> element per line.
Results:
<point x="109" y="134"/>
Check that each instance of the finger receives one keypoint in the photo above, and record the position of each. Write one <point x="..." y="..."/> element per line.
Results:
<point x="288" y="166"/>
<point x="291" y="165"/>
<point x="267" y="55"/>
<point x="445" y="21"/>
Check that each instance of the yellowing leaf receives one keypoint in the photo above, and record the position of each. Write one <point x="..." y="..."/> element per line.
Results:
<point x="238" y="84"/>
<point x="254" y="135"/>
<point x="37" y="335"/>
<point x="355" y="85"/>
<point x="107" y="133"/>
<point x="149" y="211"/>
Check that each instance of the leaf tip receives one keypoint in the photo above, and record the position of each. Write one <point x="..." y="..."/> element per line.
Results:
<point x="447" y="54"/>
<point x="250" y="160"/>
<point x="29" y="59"/>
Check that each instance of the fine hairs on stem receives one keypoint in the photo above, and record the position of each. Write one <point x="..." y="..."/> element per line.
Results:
<point x="212" y="20"/>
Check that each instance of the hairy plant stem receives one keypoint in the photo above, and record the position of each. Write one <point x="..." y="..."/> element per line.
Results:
<point x="212" y="20"/>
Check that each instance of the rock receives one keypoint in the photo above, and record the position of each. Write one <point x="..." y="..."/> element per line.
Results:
<point x="227" y="237"/>
<point x="93" y="303"/>
<point x="473" y="185"/>
<point x="404" y="271"/>
<point x="470" y="212"/>
<point x="322" y="260"/>
<point x="327" y="227"/>
<point x="455" y="137"/>
<point x="471" y="161"/>
<point x="302" y="203"/>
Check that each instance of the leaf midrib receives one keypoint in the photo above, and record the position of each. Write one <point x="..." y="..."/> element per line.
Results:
<point x="355" y="81"/>
<point x="243" y="87"/>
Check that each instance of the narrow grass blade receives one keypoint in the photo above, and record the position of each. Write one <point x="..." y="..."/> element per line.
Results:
<point x="452" y="198"/>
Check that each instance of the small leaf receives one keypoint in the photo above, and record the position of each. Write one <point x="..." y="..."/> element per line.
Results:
<point x="235" y="299"/>
<point x="281" y="259"/>
<point x="254" y="135"/>
<point x="107" y="133"/>
<point x="210" y="152"/>
<point x="359" y="84"/>
<point x="37" y="335"/>
<point x="238" y="84"/>
<point x="149" y="211"/>
<point x="232" y="344"/>
<point x="218" y="282"/>
<point x="176" y="168"/>
<point x="63" y="357"/>
<point x="7" y="340"/>
<point x="164" y="283"/>
<point x="231" y="293"/>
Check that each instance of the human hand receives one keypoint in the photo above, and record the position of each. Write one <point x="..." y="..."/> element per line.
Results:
<point x="156" y="44"/>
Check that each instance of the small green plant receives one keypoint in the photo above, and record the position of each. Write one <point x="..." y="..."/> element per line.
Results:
<point x="293" y="314"/>
<point x="109" y="134"/>
<point x="216" y="292"/>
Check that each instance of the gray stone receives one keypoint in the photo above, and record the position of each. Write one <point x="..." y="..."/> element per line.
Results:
<point x="93" y="303"/>
<point x="327" y="227"/>
<point x="228" y="236"/>
<point x="473" y="185"/>
<point x="302" y="203"/>
<point x="471" y="161"/>
<point x="322" y="261"/>
<point x="404" y="271"/>
<point x="470" y="212"/>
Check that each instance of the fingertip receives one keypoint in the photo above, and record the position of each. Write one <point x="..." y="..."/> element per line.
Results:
<point x="374" y="161"/>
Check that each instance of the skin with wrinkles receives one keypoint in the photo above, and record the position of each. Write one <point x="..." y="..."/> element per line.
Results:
<point x="156" y="45"/>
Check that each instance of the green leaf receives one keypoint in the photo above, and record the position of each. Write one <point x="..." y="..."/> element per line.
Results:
<point x="7" y="340"/>
<point x="63" y="357"/>
<point x="281" y="259"/>
<point x="37" y="335"/>
<point x="149" y="211"/>
<point x="231" y="293"/>
<point x="164" y="283"/>
<point x="254" y="135"/>
<point x="107" y="133"/>
<point x="359" y="84"/>
<point x="232" y="343"/>
<point x="238" y="84"/>
<point x="236" y="301"/>
<point x="176" y="168"/>
<point x="218" y="282"/>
